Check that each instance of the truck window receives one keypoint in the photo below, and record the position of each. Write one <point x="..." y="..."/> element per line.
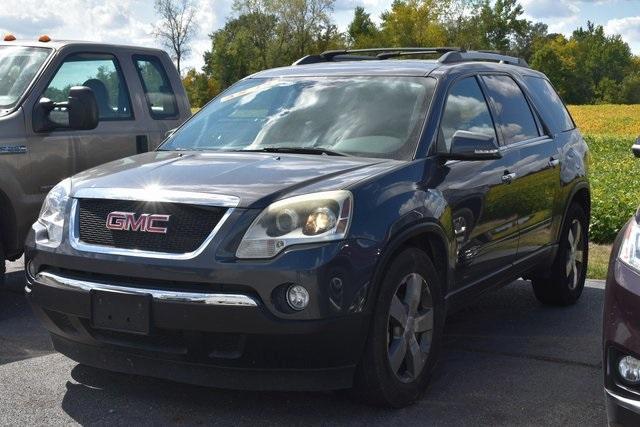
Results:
<point x="513" y="114"/>
<point x="549" y="104"/>
<point x="157" y="89"/>
<point x="102" y="74"/>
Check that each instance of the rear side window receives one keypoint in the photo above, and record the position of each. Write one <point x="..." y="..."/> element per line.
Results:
<point x="160" y="96"/>
<point x="513" y="114"/>
<point x="466" y="110"/>
<point x="99" y="72"/>
<point x="549" y="104"/>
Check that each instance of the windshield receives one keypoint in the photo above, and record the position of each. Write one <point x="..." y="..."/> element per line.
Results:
<point x="359" y="116"/>
<point x="18" y="67"/>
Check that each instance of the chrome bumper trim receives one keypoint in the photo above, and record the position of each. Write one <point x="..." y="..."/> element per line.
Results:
<point x="630" y="404"/>
<point x="233" y="300"/>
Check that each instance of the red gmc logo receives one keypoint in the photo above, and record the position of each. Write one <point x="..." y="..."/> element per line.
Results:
<point x="146" y="223"/>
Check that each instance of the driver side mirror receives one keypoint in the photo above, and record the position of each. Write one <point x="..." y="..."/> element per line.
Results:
<point x="81" y="110"/>
<point x="473" y="146"/>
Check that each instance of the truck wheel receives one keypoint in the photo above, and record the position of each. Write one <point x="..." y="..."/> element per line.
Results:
<point x="565" y="283"/>
<point x="405" y="333"/>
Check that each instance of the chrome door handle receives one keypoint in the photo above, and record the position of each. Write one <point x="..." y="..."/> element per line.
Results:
<point x="508" y="178"/>
<point x="553" y="162"/>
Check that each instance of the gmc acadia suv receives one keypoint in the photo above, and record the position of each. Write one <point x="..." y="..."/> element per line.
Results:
<point x="312" y="226"/>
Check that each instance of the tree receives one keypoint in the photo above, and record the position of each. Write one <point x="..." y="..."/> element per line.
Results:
<point x="199" y="88"/>
<point x="362" y="31"/>
<point x="502" y="23"/>
<point x="414" y="23"/>
<point x="176" y="28"/>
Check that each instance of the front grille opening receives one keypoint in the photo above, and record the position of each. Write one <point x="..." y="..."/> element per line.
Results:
<point x="186" y="229"/>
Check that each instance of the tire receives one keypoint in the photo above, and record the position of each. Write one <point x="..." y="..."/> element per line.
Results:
<point x="400" y="330"/>
<point x="565" y="283"/>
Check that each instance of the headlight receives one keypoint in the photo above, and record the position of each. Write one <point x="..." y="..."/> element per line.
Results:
<point x="630" y="248"/>
<point x="51" y="220"/>
<point x="317" y="217"/>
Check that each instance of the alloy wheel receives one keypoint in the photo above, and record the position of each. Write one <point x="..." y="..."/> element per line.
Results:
<point x="410" y="328"/>
<point x="575" y="254"/>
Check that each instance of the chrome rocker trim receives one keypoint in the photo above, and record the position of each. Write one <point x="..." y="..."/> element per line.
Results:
<point x="182" y="197"/>
<point x="233" y="300"/>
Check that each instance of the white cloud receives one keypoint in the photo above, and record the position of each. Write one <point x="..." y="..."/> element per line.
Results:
<point x="628" y="28"/>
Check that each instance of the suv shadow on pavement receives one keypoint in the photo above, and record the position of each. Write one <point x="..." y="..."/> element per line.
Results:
<point x="506" y="361"/>
<point x="21" y="336"/>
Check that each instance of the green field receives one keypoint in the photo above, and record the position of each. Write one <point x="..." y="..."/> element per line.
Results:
<point x="610" y="130"/>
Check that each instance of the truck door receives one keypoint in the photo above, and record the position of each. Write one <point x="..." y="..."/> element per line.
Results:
<point x="115" y="136"/>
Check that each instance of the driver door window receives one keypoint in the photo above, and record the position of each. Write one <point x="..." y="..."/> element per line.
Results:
<point x="466" y="109"/>
<point x="99" y="72"/>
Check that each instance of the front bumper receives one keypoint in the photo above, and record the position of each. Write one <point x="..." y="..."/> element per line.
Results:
<point x="214" y="322"/>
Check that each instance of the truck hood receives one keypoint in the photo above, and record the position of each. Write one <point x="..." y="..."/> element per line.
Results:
<point x="255" y="178"/>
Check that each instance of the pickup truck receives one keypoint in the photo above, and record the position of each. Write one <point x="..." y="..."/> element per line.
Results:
<point x="69" y="106"/>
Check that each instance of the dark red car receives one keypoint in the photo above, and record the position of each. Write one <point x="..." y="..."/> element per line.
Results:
<point x="621" y="329"/>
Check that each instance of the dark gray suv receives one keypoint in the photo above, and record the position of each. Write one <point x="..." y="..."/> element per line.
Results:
<point x="312" y="226"/>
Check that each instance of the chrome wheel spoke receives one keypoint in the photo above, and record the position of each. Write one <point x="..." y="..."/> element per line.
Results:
<point x="575" y="275"/>
<point x="569" y="266"/>
<point x="416" y="359"/>
<point x="398" y="311"/>
<point x="413" y="292"/>
<point x="397" y="352"/>
<point x="424" y="322"/>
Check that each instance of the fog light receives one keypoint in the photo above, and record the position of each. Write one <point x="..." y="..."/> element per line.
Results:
<point x="629" y="369"/>
<point x="297" y="297"/>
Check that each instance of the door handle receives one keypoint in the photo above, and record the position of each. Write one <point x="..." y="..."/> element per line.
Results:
<point x="508" y="178"/>
<point x="553" y="162"/>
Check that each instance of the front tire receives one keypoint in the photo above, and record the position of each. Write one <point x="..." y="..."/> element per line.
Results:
<point x="3" y="267"/>
<point x="568" y="273"/>
<point x="405" y="333"/>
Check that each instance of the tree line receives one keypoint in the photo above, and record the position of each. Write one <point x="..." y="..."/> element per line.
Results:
<point x="587" y="67"/>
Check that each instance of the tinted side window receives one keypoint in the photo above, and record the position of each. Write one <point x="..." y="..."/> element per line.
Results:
<point x="157" y="89"/>
<point x="514" y="117"/>
<point x="549" y="104"/>
<point x="102" y="74"/>
<point x="465" y="109"/>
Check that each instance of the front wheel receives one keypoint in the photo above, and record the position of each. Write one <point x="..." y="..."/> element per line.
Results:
<point x="2" y="265"/>
<point x="568" y="272"/>
<point x="405" y="334"/>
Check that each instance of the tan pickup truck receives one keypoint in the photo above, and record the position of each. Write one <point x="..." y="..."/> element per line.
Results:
<point x="68" y="106"/>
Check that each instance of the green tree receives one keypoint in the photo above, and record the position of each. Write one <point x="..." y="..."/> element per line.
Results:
<point x="502" y="23"/>
<point x="200" y="89"/>
<point x="414" y="23"/>
<point x="362" y="31"/>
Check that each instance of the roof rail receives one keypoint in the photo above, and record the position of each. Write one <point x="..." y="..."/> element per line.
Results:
<point x="382" y="53"/>
<point x="481" y="55"/>
<point x="450" y="55"/>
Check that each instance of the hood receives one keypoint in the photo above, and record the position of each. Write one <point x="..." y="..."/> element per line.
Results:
<point x="255" y="178"/>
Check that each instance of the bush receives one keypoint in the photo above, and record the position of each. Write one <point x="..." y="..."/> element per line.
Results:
<point x="615" y="185"/>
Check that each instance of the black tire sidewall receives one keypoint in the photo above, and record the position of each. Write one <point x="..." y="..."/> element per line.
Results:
<point x="555" y="289"/>
<point x="375" y="375"/>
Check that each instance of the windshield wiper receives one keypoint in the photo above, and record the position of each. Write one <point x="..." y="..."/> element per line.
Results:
<point x="298" y="150"/>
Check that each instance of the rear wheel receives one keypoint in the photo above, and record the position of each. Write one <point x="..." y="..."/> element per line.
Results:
<point x="569" y="269"/>
<point x="405" y="334"/>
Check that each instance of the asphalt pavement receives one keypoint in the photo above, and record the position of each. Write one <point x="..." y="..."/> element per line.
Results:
<point x="507" y="361"/>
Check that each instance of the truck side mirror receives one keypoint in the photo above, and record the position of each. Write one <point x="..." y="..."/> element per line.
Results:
<point x="81" y="108"/>
<point x="473" y="146"/>
<point x="635" y="148"/>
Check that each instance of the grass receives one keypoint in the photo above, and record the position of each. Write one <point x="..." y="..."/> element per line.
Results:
<point x="598" y="261"/>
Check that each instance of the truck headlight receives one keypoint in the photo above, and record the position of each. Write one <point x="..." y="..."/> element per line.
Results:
<point x="630" y="248"/>
<point x="51" y="219"/>
<point x="311" y="218"/>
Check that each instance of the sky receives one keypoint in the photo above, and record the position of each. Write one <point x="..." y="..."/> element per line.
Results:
<point x="131" y="21"/>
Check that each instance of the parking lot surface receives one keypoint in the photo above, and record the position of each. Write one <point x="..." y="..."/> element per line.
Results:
<point x="507" y="360"/>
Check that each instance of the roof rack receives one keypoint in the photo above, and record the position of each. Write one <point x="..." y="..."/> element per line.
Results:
<point x="449" y="55"/>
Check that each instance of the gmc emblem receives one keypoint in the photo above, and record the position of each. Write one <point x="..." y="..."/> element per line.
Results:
<point x="146" y="223"/>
